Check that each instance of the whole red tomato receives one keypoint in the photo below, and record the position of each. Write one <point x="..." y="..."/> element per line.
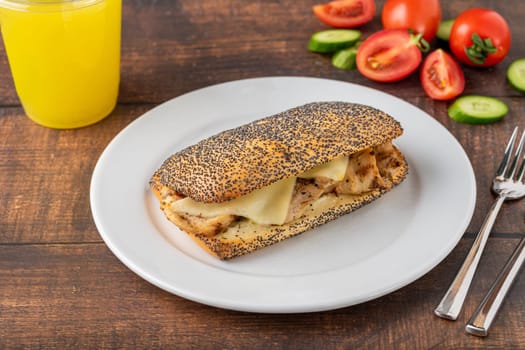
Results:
<point x="422" y="16"/>
<point x="480" y="37"/>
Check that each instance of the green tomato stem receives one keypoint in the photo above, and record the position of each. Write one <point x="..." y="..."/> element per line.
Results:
<point x="480" y="49"/>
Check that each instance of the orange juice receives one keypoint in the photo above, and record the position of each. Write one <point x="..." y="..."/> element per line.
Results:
<point x="64" y="57"/>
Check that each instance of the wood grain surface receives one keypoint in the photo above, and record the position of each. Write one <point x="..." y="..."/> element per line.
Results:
<point x="61" y="287"/>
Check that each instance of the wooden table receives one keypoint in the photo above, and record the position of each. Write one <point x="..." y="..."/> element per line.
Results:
<point x="61" y="287"/>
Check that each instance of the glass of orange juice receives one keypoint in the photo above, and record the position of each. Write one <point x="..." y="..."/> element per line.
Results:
<point x="64" y="56"/>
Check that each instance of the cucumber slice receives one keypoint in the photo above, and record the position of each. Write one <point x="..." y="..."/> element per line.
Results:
<point x="345" y="59"/>
<point x="516" y="74"/>
<point x="476" y="109"/>
<point x="332" y="40"/>
<point x="444" y="29"/>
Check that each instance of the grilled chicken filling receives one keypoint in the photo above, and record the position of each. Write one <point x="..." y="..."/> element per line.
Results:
<point x="368" y="170"/>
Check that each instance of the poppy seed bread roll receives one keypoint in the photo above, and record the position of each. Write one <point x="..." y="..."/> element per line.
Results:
<point x="237" y="163"/>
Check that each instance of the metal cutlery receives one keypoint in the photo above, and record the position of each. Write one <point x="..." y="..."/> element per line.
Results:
<point x="482" y="318"/>
<point x="507" y="184"/>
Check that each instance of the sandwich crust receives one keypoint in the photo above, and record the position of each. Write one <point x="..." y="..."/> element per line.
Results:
<point x="238" y="161"/>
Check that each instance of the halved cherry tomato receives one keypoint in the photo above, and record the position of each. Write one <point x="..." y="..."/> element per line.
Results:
<point x="441" y="77"/>
<point x="388" y="55"/>
<point x="480" y="37"/>
<point x="346" y="13"/>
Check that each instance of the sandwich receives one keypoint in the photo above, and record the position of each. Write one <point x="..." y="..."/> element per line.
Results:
<point x="274" y="178"/>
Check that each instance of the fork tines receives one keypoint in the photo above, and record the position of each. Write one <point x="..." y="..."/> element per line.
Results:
<point x="508" y="172"/>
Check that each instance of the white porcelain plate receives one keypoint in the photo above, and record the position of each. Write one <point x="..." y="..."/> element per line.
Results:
<point x="366" y="254"/>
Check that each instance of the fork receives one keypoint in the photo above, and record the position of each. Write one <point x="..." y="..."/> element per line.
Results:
<point x="507" y="184"/>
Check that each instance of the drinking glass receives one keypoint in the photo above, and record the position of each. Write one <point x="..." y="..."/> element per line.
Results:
<point x="64" y="57"/>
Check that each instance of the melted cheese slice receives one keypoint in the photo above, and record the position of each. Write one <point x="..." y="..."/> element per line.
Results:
<point x="268" y="206"/>
<point x="334" y="169"/>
